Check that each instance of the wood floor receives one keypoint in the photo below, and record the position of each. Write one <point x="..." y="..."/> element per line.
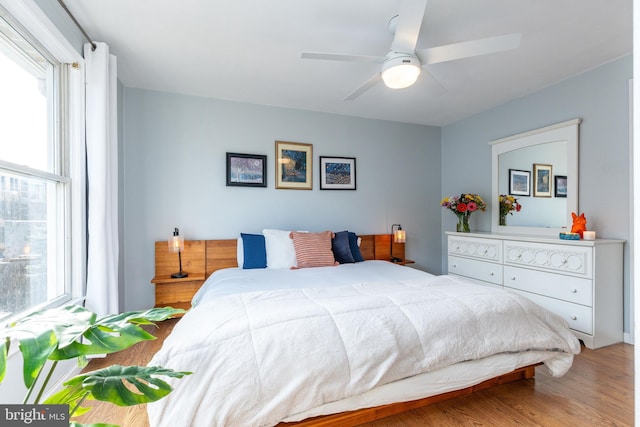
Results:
<point x="597" y="391"/>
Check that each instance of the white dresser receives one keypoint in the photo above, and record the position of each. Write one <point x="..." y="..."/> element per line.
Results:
<point x="577" y="279"/>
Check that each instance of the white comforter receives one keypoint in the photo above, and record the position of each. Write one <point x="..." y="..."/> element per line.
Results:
<point x="259" y="357"/>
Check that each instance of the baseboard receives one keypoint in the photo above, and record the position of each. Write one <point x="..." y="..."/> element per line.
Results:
<point x="628" y="338"/>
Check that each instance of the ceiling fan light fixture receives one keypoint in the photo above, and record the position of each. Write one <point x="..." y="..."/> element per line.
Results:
<point x="400" y="71"/>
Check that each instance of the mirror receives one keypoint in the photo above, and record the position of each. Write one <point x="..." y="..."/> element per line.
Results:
<point x="540" y="169"/>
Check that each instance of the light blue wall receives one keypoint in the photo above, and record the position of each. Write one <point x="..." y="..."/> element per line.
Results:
<point x="61" y="19"/>
<point x="174" y="176"/>
<point x="601" y="98"/>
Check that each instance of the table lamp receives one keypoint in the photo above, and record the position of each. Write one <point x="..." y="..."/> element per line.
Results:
<point x="176" y="244"/>
<point x="399" y="236"/>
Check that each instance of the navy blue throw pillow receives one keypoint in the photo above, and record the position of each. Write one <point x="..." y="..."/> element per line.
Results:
<point x="355" y="249"/>
<point x="255" y="251"/>
<point x="340" y="247"/>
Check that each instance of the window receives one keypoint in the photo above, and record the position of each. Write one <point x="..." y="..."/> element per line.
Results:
<point x="37" y="172"/>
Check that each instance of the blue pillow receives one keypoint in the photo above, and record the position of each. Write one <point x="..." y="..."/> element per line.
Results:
<point x="355" y="249"/>
<point x="255" y="251"/>
<point x="340" y="247"/>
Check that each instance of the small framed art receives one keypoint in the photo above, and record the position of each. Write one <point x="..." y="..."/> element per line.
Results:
<point x="560" y="185"/>
<point x="541" y="180"/>
<point x="519" y="182"/>
<point x="337" y="173"/>
<point x="294" y="165"/>
<point x="246" y="170"/>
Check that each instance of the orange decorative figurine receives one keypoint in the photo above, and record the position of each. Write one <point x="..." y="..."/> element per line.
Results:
<point x="579" y="223"/>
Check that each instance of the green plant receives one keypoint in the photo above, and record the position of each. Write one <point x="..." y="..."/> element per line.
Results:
<point x="75" y="332"/>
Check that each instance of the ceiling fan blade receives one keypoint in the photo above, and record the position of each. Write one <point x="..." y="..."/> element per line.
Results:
<point x="450" y="52"/>
<point x="429" y="80"/>
<point x="408" y="25"/>
<point x="374" y="80"/>
<point x="340" y="57"/>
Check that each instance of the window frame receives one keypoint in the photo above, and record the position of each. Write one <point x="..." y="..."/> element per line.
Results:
<point x="70" y="158"/>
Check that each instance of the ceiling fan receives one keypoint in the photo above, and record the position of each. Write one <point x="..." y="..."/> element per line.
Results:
<point x="402" y="65"/>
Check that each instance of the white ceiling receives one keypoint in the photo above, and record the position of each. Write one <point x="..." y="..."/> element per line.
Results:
<point x="249" y="50"/>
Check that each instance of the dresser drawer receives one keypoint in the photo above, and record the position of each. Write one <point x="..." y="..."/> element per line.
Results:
<point x="484" y="249"/>
<point x="480" y="270"/>
<point x="567" y="259"/>
<point x="579" y="317"/>
<point x="567" y="288"/>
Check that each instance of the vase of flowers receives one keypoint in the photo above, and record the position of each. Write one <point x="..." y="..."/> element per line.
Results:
<point x="508" y="204"/>
<point x="463" y="206"/>
<point x="463" y="223"/>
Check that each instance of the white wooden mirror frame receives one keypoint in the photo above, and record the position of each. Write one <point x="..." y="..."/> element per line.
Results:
<point x="565" y="131"/>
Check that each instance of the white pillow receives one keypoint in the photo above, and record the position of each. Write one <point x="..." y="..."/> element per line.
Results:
<point x="280" y="250"/>
<point x="240" y="252"/>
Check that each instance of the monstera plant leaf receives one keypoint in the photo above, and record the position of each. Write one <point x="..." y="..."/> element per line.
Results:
<point x="74" y="332"/>
<point x="112" y="333"/>
<point x="121" y="385"/>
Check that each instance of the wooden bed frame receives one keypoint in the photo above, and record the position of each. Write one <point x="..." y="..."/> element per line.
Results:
<point x="354" y="418"/>
<point x="203" y="257"/>
<point x="212" y="255"/>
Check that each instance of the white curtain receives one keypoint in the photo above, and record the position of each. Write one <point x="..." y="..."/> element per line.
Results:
<point x="102" y="177"/>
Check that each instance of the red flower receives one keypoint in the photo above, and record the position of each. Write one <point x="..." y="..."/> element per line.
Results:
<point x="518" y="207"/>
<point x="462" y="207"/>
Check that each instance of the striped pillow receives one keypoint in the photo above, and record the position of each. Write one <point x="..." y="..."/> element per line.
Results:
<point x="313" y="249"/>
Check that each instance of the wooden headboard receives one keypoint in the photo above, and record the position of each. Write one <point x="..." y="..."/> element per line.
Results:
<point x="207" y="256"/>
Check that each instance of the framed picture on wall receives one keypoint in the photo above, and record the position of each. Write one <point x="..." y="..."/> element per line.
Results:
<point x="337" y="173"/>
<point x="541" y="180"/>
<point x="560" y="185"/>
<point x="294" y="165"/>
<point x="246" y="170"/>
<point x="519" y="182"/>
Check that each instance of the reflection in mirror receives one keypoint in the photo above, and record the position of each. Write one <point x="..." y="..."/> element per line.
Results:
<point x="548" y="192"/>
<point x="536" y="211"/>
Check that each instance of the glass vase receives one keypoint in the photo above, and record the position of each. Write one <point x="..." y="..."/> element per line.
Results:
<point x="463" y="224"/>
<point x="503" y="220"/>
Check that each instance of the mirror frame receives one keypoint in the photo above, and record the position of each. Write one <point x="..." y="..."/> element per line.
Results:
<point x="565" y="131"/>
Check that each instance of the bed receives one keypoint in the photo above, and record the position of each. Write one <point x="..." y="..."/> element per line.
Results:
<point x="358" y="340"/>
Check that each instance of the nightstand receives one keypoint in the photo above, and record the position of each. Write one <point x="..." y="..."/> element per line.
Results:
<point x="177" y="293"/>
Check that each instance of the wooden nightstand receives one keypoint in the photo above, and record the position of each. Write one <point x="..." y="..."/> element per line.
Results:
<point x="382" y="245"/>
<point x="177" y="293"/>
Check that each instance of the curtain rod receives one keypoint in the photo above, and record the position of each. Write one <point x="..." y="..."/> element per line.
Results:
<point x="75" y="21"/>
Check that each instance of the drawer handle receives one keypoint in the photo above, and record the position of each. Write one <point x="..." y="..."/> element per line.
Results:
<point x="574" y="317"/>
<point x="574" y="291"/>
<point x="513" y="277"/>
<point x="491" y="274"/>
<point x="455" y="265"/>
